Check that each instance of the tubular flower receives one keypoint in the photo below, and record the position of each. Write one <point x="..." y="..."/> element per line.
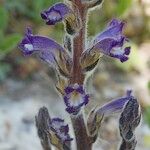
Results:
<point x="57" y="13"/>
<point x="46" y="48"/>
<point x="58" y="131"/>
<point x="75" y="97"/>
<point x="97" y="114"/>
<point x="116" y="105"/>
<point x="112" y="42"/>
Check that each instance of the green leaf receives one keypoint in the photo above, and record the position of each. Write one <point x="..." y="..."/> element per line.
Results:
<point x="9" y="43"/>
<point x="122" y="6"/>
<point x="3" y="18"/>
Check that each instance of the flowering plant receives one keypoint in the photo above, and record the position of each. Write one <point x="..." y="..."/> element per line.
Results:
<point x="73" y="61"/>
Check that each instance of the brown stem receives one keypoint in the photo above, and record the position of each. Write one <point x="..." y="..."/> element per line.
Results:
<point x="82" y="139"/>
<point x="46" y="146"/>
<point x="77" y="76"/>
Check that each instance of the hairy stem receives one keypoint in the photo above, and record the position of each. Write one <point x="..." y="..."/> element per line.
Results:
<point x="77" y="75"/>
<point x="46" y="146"/>
<point x="82" y="139"/>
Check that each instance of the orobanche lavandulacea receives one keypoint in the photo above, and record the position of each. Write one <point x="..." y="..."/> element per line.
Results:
<point x="73" y="60"/>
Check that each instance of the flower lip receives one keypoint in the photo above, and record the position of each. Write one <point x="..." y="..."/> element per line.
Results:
<point x="74" y="98"/>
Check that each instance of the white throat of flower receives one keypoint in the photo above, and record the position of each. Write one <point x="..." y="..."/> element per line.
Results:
<point x="29" y="47"/>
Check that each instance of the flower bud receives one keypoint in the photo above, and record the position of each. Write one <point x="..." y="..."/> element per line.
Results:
<point x="128" y="122"/>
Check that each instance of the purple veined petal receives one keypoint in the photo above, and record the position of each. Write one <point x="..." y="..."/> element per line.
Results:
<point x="74" y="98"/>
<point x="46" y="48"/>
<point x="56" y="13"/>
<point x="113" y="30"/>
<point x="116" y="105"/>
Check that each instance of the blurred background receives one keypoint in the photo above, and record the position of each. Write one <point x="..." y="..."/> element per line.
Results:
<point x="27" y="83"/>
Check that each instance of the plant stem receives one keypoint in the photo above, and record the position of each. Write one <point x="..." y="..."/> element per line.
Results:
<point x="77" y="76"/>
<point x="46" y="146"/>
<point x="82" y="139"/>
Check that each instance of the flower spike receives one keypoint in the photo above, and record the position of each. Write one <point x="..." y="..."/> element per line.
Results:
<point x="112" y="42"/>
<point x="74" y="98"/>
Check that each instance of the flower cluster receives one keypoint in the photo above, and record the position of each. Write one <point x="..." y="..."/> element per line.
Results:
<point x="72" y="61"/>
<point x="110" y="42"/>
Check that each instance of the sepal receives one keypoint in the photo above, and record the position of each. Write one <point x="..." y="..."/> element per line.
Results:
<point x="89" y="61"/>
<point x="61" y="84"/>
<point x="92" y="3"/>
<point x="93" y="124"/>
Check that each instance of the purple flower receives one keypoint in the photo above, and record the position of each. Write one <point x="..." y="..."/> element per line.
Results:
<point x="60" y="130"/>
<point x="46" y="48"/>
<point x="56" y="13"/>
<point x="98" y="113"/>
<point x="75" y="97"/>
<point x="112" y="42"/>
<point x="116" y="105"/>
